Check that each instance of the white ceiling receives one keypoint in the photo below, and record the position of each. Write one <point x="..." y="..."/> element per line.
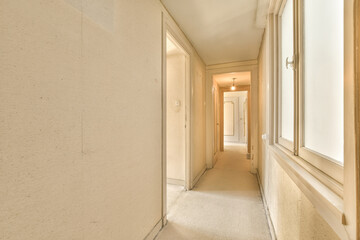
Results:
<point x="225" y="80"/>
<point x="221" y="30"/>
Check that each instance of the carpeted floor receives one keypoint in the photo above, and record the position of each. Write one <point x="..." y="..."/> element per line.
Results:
<point x="225" y="204"/>
<point x="173" y="194"/>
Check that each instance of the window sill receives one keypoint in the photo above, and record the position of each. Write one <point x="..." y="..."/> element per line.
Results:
<point x="328" y="203"/>
<point x="324" y="178"/>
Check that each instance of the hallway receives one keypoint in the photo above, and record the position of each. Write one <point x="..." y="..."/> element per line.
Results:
<point x="106" y="103"/>
<point x="225" y="204"/>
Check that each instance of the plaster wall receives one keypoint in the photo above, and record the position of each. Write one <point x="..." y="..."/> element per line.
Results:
<point x="80" y="118"/>
<point x="292" y="214"/>
<point x="175" y="117"/>
<point x="78" y="161"/>
<point x="198" y="159"/>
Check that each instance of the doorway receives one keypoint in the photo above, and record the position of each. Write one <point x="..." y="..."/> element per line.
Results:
<point x="176" y="125"/>
<point x="229" y="101"/>
<point x="235" y="118"/>
<point x="232" y="101"/>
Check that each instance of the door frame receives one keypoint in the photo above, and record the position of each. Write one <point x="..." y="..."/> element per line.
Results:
<point x="170" y="29"/>
<point x="246" y="66"/>
<point x="245" y="88"/>
<point x="357" y="110"/>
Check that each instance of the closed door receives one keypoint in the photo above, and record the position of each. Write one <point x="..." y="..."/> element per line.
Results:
<point x="231" y="119"/>
<point x="243" y="119"/>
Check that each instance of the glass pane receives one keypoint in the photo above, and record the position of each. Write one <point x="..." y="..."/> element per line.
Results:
<point x="324" y="77"/>
<point x="287" y="75"/>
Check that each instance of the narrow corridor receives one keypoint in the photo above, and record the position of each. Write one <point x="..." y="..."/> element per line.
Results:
<point x="106" y="103"/>
<point x="225" y="204"/>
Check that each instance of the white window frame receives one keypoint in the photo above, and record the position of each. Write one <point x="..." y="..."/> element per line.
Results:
<point x="330" y="166"/>
<point x="289" y="145"/>
<point x="325" y="169"/>
<point x="338" y="204"/>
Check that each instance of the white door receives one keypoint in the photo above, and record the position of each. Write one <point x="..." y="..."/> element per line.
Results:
<point x="231" y="119"/>
<point x="243" y="118"/>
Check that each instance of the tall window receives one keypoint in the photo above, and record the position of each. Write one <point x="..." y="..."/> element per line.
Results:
<point x="323" y="81"/>
<point x="311" y="83"/>
<point x="287" y="76"/>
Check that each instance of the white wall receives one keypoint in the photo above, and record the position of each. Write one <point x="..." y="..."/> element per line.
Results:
<point x="80" y="119"/>
<point x="198" y="118"/>
<point x="175" y="114"/>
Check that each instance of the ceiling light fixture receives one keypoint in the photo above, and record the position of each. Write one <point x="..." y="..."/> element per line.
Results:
<point x="233" y="86"/>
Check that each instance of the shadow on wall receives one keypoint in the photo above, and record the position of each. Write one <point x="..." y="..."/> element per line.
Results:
<point x="98" y="11"/>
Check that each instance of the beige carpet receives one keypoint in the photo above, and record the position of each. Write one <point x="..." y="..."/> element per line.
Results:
<point x="225" y="204"/>
<point x="173" y="194"/>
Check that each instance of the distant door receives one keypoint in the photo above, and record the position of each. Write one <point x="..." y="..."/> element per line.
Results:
<point x="243" y="119"/>
<point x="231" y="119"/>
<point x="217" y="122"/>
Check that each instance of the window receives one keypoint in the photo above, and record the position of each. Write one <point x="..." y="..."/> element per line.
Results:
<point x="286" y="126"/>
<point x="311" y="83"/>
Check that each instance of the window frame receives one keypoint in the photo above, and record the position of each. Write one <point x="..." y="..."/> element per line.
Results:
<point x="325" y="169"/>
<point x="338" y="204"/>
<point x="330" y="166"/>
<point x="289" y="145"/>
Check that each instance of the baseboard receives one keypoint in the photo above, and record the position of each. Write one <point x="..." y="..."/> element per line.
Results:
<point x="155" y="231"/>
<point x="197" y="178"/>
<point x="175" y="181"/>
<point x="268" y="217"/>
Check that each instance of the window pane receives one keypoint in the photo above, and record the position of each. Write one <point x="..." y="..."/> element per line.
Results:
<point x="287" y="75"/>
<point x="324" y="77"/>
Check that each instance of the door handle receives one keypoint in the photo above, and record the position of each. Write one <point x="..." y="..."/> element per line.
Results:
<point x="290" y="63"/>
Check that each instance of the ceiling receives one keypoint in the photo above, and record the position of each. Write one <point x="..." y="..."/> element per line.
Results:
<point x="221" y="31"/>
<point x="225" y="80"/>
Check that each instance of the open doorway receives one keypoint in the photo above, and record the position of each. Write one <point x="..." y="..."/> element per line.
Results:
<point x="232" y="111"/>
<point x="177" y="75"/>
<point x="235" y="118"/>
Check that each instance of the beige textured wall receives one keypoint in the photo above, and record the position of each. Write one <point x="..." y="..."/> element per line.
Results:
<point x="80" y="119"/>
<point x="292" y="214"/>
<point x="175" y="122"/>
<point x="198" y="117"/>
